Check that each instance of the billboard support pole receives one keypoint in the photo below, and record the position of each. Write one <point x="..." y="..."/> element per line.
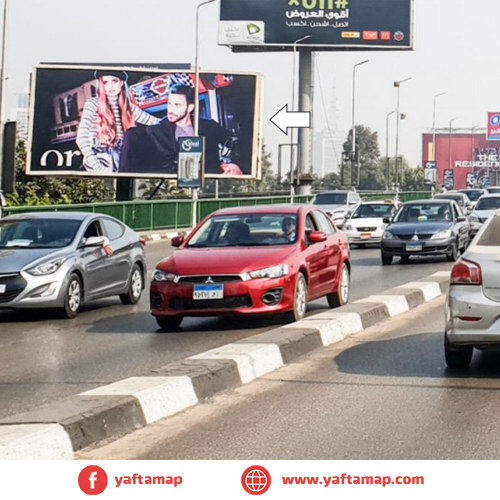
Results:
<point x="3" y="80"/>
<point x="387" y="159"/>
<point x="305" y="105"/>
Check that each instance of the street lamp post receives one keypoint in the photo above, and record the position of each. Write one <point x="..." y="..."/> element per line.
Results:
<point x="472" y="146"/>
<point x="398" y="118"/>
<point x="3" y="80"/>
<point x="450" y="143"/>
<point x="387" y="160"/>
<point x="353" y="145"/>
<point x="196" y="127"/>
<point x="434" y="126"/>
<point x="292" y="135"/>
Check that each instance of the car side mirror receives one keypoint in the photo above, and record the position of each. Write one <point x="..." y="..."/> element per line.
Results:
<point x="462" y="219"/>
<point x="94" y="241"/>
<point x="317" y="237"/>
<point x="177" y="241"/>
<point x="387" y="220"/>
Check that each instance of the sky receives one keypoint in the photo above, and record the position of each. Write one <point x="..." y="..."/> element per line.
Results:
<point x="456" y="47"/>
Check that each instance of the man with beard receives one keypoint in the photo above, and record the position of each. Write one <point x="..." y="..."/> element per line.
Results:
<point x="155" y="149"/>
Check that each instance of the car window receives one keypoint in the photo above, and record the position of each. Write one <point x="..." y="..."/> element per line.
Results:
<point x="94" y="230"/>
<point x="457" y="211"/>
<point x="423" y="212"/>
<point x="488" y="204"/>
<point x="373" y="211"/>
<point x="323" y="223"/>
<point x="113" y="229"/>
<point x="331" y="199"/>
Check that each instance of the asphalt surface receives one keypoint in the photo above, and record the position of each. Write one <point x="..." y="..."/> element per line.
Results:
<point x="382" y="394"/>
<point x="43" y="358"/>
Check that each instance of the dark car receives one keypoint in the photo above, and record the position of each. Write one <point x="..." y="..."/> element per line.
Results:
<point x="428" y="227"/>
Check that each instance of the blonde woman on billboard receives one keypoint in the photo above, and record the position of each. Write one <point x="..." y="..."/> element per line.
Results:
<point x="105" y="120"/>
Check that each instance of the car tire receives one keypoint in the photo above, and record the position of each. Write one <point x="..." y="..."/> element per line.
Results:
<point x="387" y="259"/>
<point x="459" y="357"/>
<point x="169" y="324"/>
<point x="341" y="296"/>
<point x="299" y="300"/>
<point x="135" y="287"/>
<point x="73" y="297"/>
<point x="453" y="256"/>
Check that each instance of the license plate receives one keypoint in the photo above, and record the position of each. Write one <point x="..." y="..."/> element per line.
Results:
<point x="208" y="292"/>
<point x="414" y="247"/>
<point x="3" y="288"/>
<point x="366" y="236"/>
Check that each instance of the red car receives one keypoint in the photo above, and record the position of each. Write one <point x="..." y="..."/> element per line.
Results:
<point x="253" y="260"/>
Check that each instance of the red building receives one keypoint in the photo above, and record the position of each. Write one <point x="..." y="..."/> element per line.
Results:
<point x="470" y="154"/>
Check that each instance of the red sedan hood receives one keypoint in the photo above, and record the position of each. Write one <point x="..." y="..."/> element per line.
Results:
<point x="234" y="260"/>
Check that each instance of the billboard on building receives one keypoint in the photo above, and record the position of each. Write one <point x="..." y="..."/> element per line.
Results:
<point x="470" y="154"/>
<point x="330" y="24"/>
<point x="127" y="122"/>
<point x="494" y="126"/>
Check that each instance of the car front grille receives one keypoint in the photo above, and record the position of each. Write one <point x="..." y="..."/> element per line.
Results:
<point x="366" y="229"/>
<point x="409" y="237"/>
<point x="186" y="304"/>
<point x="14" y="284"/>
<point x="209" y="279"/>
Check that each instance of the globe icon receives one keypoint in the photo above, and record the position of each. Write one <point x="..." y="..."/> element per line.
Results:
<point x="256" y="481"/>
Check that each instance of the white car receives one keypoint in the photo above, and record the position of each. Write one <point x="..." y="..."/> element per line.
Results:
<point x="486" y="207"/>
<point x="366" y="225"/>
<point x="337" y="204"/>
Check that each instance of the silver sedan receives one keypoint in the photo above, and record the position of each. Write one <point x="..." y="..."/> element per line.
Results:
<point x="62" y="260"/>
<point x="473" y="305"/>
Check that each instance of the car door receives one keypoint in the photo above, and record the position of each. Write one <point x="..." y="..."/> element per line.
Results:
<point x="121" y="259"/>
<point x="313" y="258"/>
<point x="95" y="262"/>
<point x="330" y="253"/>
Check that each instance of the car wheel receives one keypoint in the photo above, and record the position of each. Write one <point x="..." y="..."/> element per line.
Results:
<point x="341" y="296"/>
<point x="73" y="298"/>
<point x="458" y="356"/>
<point x="135" y="287"/>
<point x="387" y="259"/>
<point x="299" y="300"/>
<point x="169" y="324"/>
<point x="453" y="256"/>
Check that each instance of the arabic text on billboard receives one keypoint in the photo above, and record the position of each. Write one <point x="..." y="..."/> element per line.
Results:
<point x="124" y="122"/>
<point x="275" y="24"/>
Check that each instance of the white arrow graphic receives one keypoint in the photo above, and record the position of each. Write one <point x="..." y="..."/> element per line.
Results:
<point x="294" y="119"/>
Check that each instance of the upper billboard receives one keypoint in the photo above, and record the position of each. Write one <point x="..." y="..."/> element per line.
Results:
<point x="126" y="122"/>
<point x="494" y="126"/>
<point x="331" y="24"/>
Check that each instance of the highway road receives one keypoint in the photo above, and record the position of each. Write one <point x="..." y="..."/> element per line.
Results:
<point x="384" y="394"/>
<point x="43" y="359"/>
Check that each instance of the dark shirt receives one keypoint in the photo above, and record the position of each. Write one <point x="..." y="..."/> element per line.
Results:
<point x="155" y="149"/>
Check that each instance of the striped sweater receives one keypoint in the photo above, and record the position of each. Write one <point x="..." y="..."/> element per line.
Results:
<point x="86" y="138"/>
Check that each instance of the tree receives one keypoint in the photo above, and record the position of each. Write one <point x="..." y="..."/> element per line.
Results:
<point x="371" y="175"/>
<point x="33" y="191"/>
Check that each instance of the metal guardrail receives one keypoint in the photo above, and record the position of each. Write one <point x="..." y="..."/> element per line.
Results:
<point x="174" y="214"/>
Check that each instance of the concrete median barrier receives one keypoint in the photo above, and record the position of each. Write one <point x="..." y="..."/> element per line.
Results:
<point x="56" y="431"/>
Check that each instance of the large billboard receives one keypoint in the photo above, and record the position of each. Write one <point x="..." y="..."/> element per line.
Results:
<point x="126" y="122"/>
<point x="329" y="24"/>
<point x="473" y="156"/>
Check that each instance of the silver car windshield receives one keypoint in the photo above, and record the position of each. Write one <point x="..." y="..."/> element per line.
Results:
<point x="38" y="233"/>
<point x="488" y="204"/>
<point x="375" y="211"/>
<point x="331" y="199"/>
<point x="246" y="230"/>
<point x="417" y="213"/>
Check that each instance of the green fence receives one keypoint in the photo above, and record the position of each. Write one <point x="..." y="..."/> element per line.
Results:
<point x="174" y="214"/>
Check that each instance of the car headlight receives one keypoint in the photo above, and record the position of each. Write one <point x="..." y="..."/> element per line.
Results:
<point x="163" y="276"/>
<point x="389" y="236"/>
<point x="47" y="268"/>
<point x="269" y="272"/>
<point x="473" y="218"/>
<point x="348" y="228"/>
<point x="442" y="235"/>
<point x="339" y="213"/>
